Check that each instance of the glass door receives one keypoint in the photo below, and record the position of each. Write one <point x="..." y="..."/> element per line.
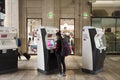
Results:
<point x="32" y="25"/>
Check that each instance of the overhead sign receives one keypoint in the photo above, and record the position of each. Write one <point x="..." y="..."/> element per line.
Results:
<point x="50" y="15"/>
<point x="85" y="14"/>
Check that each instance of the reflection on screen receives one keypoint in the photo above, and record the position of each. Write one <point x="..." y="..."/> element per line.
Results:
<point x="50" y="43"/>
<point x="102" y="41"/>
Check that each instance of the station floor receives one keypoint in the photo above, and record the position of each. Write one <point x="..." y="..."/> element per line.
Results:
<point x="28" y="70"/>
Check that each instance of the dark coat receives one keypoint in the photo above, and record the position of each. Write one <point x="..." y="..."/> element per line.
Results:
<point x="58" y="46"/>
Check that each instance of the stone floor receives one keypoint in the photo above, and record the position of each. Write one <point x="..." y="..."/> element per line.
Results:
<point x="28" y="70"/>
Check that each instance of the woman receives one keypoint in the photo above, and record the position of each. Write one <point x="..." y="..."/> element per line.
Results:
<point x="60" y="59"/>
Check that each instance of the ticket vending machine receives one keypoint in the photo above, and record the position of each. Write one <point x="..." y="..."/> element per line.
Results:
<point x="47" y="61"/>
<point x="8" y="50"/>
<point x="93" y="49"/>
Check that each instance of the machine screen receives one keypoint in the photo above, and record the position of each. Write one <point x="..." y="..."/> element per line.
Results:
<point x="50" y="43"/>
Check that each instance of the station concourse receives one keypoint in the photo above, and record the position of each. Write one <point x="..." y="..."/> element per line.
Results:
<point x="91" y="28"/>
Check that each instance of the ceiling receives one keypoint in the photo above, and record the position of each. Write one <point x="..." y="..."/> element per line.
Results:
<point x="106" y="3"/>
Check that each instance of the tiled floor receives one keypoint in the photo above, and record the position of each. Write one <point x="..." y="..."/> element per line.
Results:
<point x="28" y="70"/>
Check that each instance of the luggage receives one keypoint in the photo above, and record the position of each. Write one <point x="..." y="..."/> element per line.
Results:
<point x="27" y="56"/>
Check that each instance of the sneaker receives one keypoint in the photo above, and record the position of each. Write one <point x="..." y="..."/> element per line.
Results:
<point x="63" y="74"/>
<point x="60" y="75"/>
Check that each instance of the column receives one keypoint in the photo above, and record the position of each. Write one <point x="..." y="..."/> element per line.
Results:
<point x="12" y="14"/>
<point x="85" y="17"/>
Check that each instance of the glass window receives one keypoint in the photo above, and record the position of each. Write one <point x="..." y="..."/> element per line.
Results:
<point x="118" y="36"/>
<point x="109" y="25"/>
<point x="96" y="22"/>
<point x="108" y="22"/>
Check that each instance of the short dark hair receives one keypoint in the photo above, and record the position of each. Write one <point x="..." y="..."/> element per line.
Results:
<point x="58" y="33"/>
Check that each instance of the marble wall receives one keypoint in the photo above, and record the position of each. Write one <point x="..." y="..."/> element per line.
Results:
<point x="60" y="9"/>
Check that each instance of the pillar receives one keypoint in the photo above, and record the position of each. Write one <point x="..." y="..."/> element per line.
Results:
<point x="48" y="13"/>
<point x="12" y="14"/>
<point x="85" y="18"/>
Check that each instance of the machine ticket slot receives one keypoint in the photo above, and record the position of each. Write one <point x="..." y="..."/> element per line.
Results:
<point x="3" y="35"/>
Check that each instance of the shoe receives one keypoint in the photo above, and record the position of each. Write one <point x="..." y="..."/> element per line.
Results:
<point x="60" y="75"/>
<point x="63" y="74"/>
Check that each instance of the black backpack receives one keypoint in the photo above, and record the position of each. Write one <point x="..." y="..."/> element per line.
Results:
<point x="65" y="48"/>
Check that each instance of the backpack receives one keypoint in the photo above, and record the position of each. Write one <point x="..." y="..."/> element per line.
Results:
<point x="65" y="48"/>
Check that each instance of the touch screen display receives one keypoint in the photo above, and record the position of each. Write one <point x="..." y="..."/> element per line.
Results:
<point x="51" y="43"/>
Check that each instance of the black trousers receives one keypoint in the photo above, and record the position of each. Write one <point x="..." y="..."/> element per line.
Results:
<point x="61" y="63"/>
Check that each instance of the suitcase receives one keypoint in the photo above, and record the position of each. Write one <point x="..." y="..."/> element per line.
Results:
<point x="27" y="56"/>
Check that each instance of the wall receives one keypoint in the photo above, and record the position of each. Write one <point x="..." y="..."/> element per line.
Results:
<point x="61" y="9"/>
<point x="109" y="10"/>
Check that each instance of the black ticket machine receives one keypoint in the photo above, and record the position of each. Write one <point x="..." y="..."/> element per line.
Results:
<point x="47" y="61"/>
<point x="93" y="49"/>
<point x="8" y="50"/>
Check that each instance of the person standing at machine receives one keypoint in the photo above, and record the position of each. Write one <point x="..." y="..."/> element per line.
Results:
<point x="60" y="59"/>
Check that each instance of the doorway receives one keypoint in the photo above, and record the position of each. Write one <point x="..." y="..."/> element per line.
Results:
<point x="67" y="29"/>
<point x="32" y="25"/>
